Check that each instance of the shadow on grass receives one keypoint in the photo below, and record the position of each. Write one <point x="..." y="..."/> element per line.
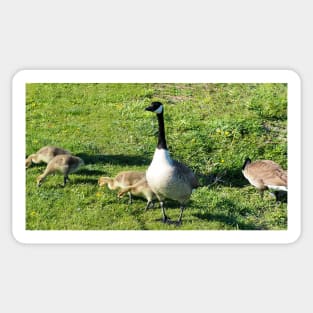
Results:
<point x="229" y="220"/>
<point x="137" y="215"/>
<point x="230" y="217"/>
<point x="231" y="177"/>
<point x="118" y="159"/>
<point x="90" y="172"/>
<point x="91" y="181"/>
<point x="37" y="165"/>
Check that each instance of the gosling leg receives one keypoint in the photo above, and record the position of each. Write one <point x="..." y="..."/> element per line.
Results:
<point x="149" y="202"/>
<point x="130" y="198"/>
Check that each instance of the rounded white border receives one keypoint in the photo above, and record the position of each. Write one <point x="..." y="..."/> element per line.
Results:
<point x="156" y="76"/>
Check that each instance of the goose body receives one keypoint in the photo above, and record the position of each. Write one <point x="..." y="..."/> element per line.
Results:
<point x="45" y="155"/>
<point x="64" y="164"/>
<point x="171" y="179"/>
<point x="168" y="178"/>
<point x="140" y="189"/>
<point x="265" y="174"/>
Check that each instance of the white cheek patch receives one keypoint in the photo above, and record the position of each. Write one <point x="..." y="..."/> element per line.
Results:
<point x="159" y="109"/>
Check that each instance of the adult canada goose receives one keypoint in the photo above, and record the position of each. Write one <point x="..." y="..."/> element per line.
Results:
<point x="45" y="154"/>
<point x="64" y="164"/>
<point x="140" y="189"/>
<point x="167" y="177"/>
<point x="122" y="180"/>
<point x="265" y="174"/>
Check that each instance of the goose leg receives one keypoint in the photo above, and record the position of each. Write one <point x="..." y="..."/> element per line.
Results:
<point x="130" y="198"/>
<point x="262" y="194"/>
<point x="178" y="223"/>
<point x="165" y="219"/>
<point x="148" y="205"/>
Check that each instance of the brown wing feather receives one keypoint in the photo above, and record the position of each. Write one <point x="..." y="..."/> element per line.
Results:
<point x="129" y="177"/>
<point x="186" y="174"/>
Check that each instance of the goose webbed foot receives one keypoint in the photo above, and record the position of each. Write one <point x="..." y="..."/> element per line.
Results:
<point x="166" y="220"/>
<point x="178" y="223"/>
<point x="170" y="222"/>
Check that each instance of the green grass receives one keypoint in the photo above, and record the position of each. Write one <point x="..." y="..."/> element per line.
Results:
<point x="209" y="127"/>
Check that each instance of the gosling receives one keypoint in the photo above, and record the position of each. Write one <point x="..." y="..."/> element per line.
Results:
<point x="265" y="174"/>
<point x="64" y="164"/>
<point x="122" y="180"/>
<point x="140" y="189"/>
<point x="45" y="154"/>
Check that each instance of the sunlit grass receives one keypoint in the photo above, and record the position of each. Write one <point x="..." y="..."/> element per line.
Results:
<point x="209" y="127"/>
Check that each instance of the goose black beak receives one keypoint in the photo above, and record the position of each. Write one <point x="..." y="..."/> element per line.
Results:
<point x="149" y="108"/>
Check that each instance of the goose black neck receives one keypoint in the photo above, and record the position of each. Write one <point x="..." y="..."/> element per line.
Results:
<point x="247" y="162"/>
<point x="161" y="139"/>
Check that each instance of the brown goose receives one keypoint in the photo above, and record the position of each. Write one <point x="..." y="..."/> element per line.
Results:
<point x="64" y="164"/>
<point x="122" y="180"/>
<point x="140" y="189"/>
<point x="45" y="154"/>
<point x="265" y="174"/>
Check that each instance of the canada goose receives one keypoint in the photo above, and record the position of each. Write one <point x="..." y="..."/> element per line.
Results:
<point x="122" y="180"/>
<point x="265" y="174"/>
<point x="167" y="177"/>
<point x="140" y="189"/>
<point x="45" y="154"/>
<point x="63" y="163"/>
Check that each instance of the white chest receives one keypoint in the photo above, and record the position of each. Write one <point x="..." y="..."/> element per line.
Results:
<point x="160" y="170"/>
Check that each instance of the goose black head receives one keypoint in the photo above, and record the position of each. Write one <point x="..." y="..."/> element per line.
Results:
<point x="156" y="107"/>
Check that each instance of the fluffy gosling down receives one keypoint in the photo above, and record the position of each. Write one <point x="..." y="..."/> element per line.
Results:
<point x="45" y="155"/>
<point x="122" y="180"/>
<point x="64" y="164"/>
<point x="140" y="189"/>
<point x="168" y="178"/>
<point x="265" y="174"/>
